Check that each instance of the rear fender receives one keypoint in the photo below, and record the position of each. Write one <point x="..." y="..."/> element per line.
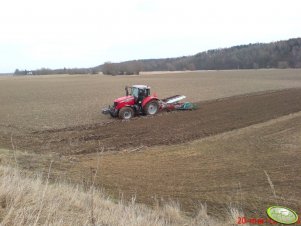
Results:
<point x="148" y="99"/>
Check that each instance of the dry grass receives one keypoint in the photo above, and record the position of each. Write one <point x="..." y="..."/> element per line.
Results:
<point x="31" y="201"/>
<point x="61" y="101"/>
<point x="271" y="184"/>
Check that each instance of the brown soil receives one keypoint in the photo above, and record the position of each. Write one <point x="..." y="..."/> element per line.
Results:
<point x="212" y="117"/>
<point x="219" y="171"/>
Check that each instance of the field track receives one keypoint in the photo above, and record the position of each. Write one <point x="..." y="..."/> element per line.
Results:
<point x="212" y="117"/>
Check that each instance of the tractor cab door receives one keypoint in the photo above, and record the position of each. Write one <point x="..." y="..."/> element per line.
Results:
<point x="142" y="93"/>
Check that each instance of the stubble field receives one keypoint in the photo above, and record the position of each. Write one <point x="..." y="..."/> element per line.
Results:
<point x="225" y="153"/>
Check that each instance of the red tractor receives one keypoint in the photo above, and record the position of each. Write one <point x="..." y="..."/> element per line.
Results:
<point x="139" y="101"/>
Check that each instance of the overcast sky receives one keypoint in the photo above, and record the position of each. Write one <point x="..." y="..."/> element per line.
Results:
<point x="63" y="33"/>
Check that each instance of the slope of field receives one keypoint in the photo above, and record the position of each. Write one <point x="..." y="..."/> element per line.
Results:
<point x="229" y="168"/>
<point x="235" y="169"/>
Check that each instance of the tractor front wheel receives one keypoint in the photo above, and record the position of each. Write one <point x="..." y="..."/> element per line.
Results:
<point x="151" y="108"/>
<point x="126" y="113"/>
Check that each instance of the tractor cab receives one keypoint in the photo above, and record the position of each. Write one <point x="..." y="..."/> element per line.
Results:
<point x="139" y="92"/>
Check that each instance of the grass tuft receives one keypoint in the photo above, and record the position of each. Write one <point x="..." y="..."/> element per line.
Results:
<point x="33" y="201"/>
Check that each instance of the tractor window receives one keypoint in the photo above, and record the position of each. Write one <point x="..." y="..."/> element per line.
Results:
<point x="134" y="92"/>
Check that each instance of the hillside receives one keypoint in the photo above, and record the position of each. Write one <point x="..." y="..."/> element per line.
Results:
<point x="281" y="54"/>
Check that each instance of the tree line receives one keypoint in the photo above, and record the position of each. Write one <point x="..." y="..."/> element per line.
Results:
<point x="48" y="71"/>
<point x="281" y="54"/>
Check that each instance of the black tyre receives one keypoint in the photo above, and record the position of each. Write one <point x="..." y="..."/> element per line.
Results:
<point x="126" y="113"/>
<point x="151" y="108"/>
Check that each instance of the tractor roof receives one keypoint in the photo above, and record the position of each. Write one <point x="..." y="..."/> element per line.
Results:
<point x="141" y="86"/>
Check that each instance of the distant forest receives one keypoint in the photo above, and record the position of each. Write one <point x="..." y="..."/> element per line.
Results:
<point x="281" y="54"/>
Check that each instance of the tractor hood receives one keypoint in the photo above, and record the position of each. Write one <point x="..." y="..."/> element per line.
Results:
<point x="124" y="99"/>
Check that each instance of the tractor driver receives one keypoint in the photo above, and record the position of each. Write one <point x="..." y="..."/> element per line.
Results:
<point x="141" y="96"/>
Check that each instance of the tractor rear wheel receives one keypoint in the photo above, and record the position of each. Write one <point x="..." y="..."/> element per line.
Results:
<point x="126" y="113"/>
<point x="151" y="108"/>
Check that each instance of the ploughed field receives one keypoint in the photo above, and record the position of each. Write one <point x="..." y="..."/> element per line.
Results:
<point x="245" y="133"/>
<point x="211" y="117"/>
